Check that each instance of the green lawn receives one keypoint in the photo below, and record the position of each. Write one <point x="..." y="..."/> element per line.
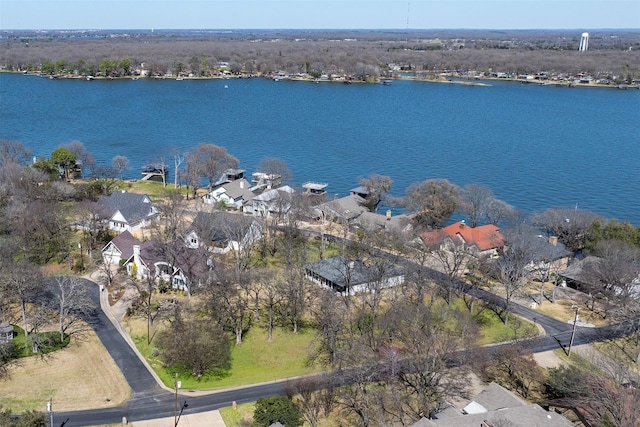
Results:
<point x="242" y="413"/>
<point x="153" y="189"/>
<point x="50" y="340"/>
<point x="254" y="361"/>
<point x="494" y="330"/>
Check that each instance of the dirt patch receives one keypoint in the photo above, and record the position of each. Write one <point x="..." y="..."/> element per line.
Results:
<point x="81" y="376"/>
<point x="52" y="269"/>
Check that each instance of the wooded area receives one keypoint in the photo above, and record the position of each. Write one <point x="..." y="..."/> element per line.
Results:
<point x="395" y="344"/>
<point x="612" y="54"/>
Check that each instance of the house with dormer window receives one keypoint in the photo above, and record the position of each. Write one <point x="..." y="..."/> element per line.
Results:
<point x="127" y="211"/>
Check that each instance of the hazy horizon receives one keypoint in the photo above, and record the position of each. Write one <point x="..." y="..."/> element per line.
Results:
<point x="319" y="15"/>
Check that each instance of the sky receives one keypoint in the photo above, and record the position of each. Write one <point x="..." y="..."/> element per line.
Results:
<point x="318" y="14"/>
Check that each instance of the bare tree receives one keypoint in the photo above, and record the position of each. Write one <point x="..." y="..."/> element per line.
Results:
<point x="569" y="225"/>
<point x="178" y="159"/>
<point x="476" y="200"/>
<point x="497" y="210"/>
<point x="376" y="186"/>
<point x="270" y="284"/>
<point x="452" y="259"/>
<point x="212" y="161"/>
<point x="13" y="152"/>
<point x="70" y="299"/>
<point x="85" y="160"/>
<point x="433" y="201"/>
<point x="276" y="169"/>
<point x="511" y="268"/>
<point x="22" y="281"/>
<point x="120" y="164"/>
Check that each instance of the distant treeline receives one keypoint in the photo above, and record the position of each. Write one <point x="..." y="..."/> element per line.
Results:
<point x="613" y="54"/>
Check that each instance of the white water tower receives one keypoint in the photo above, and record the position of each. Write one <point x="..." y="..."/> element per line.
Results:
<point x="584" y="42"/>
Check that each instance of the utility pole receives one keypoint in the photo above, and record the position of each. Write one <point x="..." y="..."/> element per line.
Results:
<point x="573" y="330"/>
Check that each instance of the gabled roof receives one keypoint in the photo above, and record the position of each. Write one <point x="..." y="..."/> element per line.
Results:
<point x="272" y="194"/>
<point x="133" y="207"/>
<point x="193" y="262"/>
<point x="483" y="237"/>
<point x="348" y="273"/>
<point x="124" y="243"/>
<point x="216" y="226"/>
<point x="348" y="207"/>
<point x="240" y="188"/>
<point x="579" y="271"/>
<point x="495" y="405"/>
<point x="496" y="397"/>
<point x="546" y="249"/>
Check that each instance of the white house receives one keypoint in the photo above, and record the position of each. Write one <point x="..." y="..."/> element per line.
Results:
<point x="234" y="194"/>
<point x="120" y="248"/>
<point x="127" y="211"/>
<point x="179" y="266"/>
<point x="222" y="232"/>
<point x="273" y="202"/>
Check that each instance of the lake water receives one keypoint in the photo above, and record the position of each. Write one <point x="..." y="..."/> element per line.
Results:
<point x="534" y="146"/>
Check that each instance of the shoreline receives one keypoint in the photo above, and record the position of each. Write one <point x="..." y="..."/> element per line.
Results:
<point x="466" y="81"/>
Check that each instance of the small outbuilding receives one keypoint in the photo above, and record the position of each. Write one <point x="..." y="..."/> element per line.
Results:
<point x="6" y="332"/>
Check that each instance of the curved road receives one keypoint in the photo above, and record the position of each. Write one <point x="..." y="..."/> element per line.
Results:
<point x="150" y="401"/>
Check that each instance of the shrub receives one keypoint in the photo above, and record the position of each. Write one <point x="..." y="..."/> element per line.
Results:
<point x="274" y="409"/>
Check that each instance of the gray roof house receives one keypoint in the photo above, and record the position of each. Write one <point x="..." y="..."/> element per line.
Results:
<point x="119" y="248"/>
<point x="352" y="276"/>
<point x="174" y="263"/>
<point x="223" y="231"/>
<point x="275" y="201"/>
<point x="495" y="406"/>
<point x="352" y="210"/>
<point x="127" y="211"/>
<point x="549" y="254"/>
<point x="234" y="194"/>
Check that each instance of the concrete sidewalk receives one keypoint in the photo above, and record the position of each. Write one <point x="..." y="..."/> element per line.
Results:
<point x="203" y="419"/>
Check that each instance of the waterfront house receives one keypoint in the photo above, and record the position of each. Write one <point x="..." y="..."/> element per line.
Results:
<point x="481" y="240"/>
<point x="274" y="202"/>
<point x="351" y="209"/>
<point x="234" y="194"/>
<point x="588" y="275"/>
<point x="222" y="232"/>
<point x="352" y="276"/>
<point x="549" y="255"/>
<point x="127" y="211"/>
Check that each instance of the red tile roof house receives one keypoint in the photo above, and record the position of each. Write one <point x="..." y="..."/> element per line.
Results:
<point x="482" y="240"/>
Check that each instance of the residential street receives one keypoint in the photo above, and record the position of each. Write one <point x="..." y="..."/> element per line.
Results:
<point x="150" y="400"/>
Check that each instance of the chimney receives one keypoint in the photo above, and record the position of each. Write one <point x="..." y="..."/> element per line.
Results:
<point x="136" y="261"/>
<point x="553" y="240"/>
<point x="241" y="184"/>
<point x="389" y="215"/>
<point x="462" y="224"/>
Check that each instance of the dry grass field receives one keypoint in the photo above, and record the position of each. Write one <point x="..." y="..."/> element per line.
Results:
<point x="81" y="376"/>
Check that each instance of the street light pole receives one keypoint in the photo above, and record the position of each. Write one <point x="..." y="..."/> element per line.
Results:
<point x="175" y="405"/>
<point x="184" y="405"/>
<point x="50" y="410"/>
<point x="573" y="330"/>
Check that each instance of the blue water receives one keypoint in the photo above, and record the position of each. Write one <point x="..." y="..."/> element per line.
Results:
<point x="535" y="146"/>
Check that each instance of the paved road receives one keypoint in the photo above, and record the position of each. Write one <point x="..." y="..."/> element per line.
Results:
<point x="150" y="401"/>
